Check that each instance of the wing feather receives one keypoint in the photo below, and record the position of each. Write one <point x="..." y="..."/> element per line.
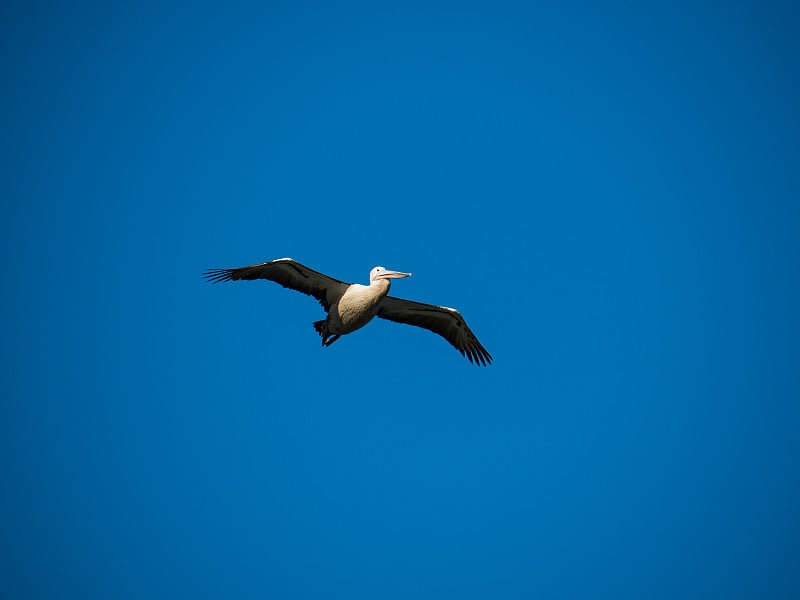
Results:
<point x="290" y="274"/>
<point x="447" y="322"/>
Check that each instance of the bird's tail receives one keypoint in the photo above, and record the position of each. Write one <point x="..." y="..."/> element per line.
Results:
<point x="320" y="327"/>
<point x="322" y="330"/>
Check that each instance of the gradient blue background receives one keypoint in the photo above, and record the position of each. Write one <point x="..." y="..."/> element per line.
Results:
<point x="608" y="191"/>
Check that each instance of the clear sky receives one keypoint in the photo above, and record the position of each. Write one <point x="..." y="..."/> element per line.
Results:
<point x="610" y="194"/>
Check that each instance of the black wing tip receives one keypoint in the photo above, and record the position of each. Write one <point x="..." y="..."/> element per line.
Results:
<point x="477" y="355"/>
<point x="480" y="359"/>
<point x="218" y="275"/>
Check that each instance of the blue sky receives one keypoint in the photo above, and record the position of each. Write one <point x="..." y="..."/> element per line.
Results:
<point x="609" y="193"/>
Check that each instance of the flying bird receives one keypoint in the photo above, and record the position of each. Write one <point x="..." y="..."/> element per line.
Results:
<point x="350" y="306"/>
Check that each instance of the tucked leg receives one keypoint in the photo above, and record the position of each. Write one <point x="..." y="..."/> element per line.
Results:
<point x="328" y="342"/>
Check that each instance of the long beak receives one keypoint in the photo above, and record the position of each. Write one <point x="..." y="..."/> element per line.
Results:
<point x="393" y="275"/>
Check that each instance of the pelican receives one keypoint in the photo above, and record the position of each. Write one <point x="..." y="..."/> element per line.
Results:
<point x="350" y="306"/>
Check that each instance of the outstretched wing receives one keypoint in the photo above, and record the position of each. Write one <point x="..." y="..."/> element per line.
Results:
<point x="447" y="322"/>
<point x="290" y="274"/>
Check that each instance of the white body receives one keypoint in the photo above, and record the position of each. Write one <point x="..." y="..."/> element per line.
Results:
<point x="357" y="306"/>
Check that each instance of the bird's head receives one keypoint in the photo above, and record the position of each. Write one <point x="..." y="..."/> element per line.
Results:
<point x="379" y="273"/>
